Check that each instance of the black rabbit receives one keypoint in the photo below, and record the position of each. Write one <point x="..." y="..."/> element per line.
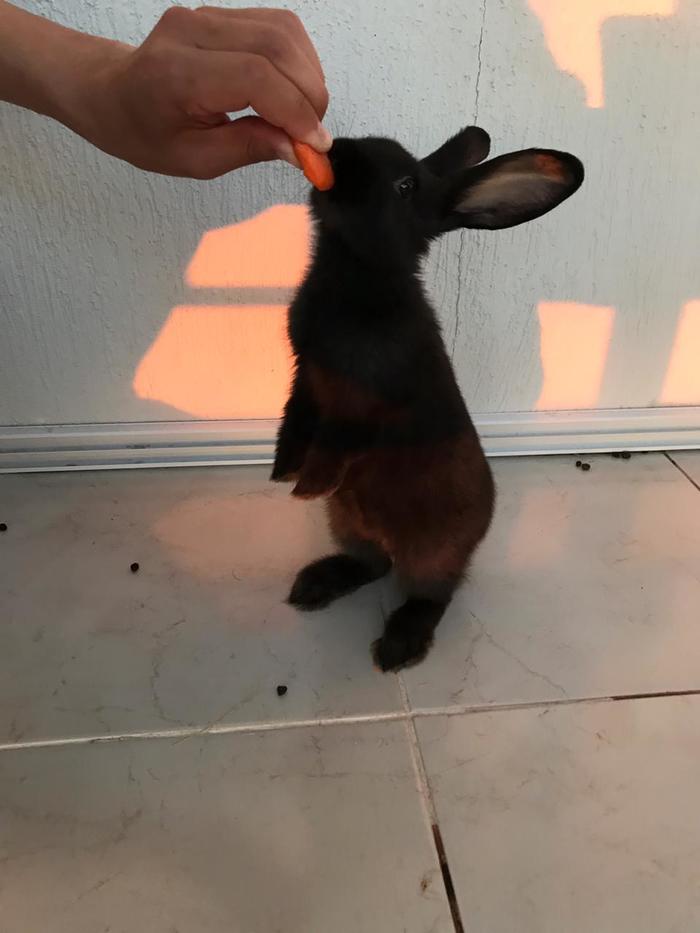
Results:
<point x="375" y="421"/>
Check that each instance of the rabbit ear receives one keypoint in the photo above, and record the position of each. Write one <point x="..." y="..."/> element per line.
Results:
<point x="468" y="147"/>
<point x="511" y="189"/>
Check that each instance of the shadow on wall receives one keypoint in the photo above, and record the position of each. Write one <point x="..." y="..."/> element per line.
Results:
<point x="225" y="354"/>
<point x="573" y="34"/>
<point x="576" y="339"/>
<point x="631" y="277"/>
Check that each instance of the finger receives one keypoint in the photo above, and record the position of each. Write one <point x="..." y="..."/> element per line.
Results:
<point x="262" y="36"/>
<point x="286" y="20"/>
<point x="222" y="82"/>
<point x="218" y="150"/>
<point x="291" y="23"/>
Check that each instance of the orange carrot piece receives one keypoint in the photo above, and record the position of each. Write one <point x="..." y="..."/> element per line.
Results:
<point x="315" y="165"/>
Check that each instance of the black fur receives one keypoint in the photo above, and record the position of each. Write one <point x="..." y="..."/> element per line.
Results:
<point x="375" y="421"/>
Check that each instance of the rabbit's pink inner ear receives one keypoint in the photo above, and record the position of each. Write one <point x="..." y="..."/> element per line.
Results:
<point x="550" y="167"/>
<point x="515" y="188"/>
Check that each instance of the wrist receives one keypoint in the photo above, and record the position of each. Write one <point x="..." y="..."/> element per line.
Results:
<point x="54" y="70"/>
<point x="86" y="87"/>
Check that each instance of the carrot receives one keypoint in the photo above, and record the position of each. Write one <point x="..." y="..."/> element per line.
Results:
<point x="315" y="165"/>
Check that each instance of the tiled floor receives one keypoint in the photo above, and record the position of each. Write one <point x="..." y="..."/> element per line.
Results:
<point x="151" y="778"/>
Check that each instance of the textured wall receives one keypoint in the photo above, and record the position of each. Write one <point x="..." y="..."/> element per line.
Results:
<point x="584" y="308"/>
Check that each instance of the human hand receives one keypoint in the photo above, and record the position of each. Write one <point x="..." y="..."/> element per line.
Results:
<point x="163" y="106"/>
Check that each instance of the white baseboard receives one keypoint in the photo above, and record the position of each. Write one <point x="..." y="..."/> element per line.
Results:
<point x="42" y="448"/>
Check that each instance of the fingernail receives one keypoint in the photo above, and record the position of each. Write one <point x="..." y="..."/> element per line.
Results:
<point x="320" y="139"/>
<point x="327" y="139"/>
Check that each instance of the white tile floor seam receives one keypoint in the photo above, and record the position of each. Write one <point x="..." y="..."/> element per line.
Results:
<point x="429" y="809"/>
<point x="406" y="716"/>
<point x="687" y="463"/>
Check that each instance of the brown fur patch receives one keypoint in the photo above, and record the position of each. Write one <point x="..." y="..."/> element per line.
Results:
<point x="550" y="167"/>
<point x="427" y="507"/>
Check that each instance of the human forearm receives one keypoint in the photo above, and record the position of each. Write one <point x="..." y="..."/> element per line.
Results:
<point x="46" y="67"/>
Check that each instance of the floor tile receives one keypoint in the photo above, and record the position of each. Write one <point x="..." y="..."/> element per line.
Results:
<point x="293" y="831"/>
<point x="579" y="818"/>
<point x="587" y="585"/>
<point x="200" y="634"/>
<point x="689" y="461"/>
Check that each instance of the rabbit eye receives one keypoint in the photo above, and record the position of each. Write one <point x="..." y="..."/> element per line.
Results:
<point x="405" y="186"/>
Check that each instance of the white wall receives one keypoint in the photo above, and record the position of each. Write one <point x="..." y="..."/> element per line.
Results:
<point x="93" y="253"/>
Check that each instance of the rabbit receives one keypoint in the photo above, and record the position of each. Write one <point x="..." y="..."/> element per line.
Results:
<point x="375" y="422"/>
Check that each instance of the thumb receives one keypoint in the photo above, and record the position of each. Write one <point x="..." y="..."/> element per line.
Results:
<point x="240" y="142"/>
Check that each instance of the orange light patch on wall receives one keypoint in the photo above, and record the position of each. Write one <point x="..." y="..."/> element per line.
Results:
<point x="572" y="31"/>
<point x="682" y="384"/>
<point x="219" y="362"/>
<point x="269" y="250"/>
<point x="574" y="345"/>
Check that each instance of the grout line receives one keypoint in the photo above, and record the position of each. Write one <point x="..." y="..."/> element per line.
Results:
<point x="546" y="704"/>
<point x="447" y="879"/>
<point x="654" y="696"/>
<point x="403" y="715"/>
<point x="416" y="754"/>
<point x="473" y="710"/>
<point x="429" y="809"/>
<point x="193" y="732"/>
<point x="681" y="470"/>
